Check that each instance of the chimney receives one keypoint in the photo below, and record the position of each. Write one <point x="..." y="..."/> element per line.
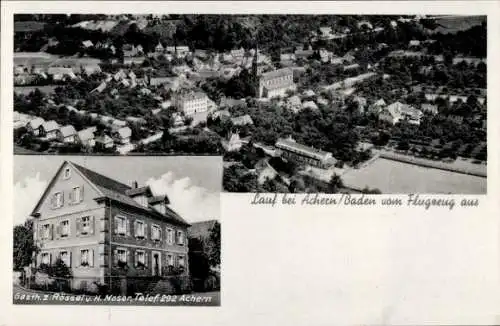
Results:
<point x="135" y="184"/>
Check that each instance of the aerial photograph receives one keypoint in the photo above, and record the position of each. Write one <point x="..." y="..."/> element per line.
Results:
<point x="372" y="104"/>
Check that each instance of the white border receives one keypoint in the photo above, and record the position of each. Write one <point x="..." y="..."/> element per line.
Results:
<point x="312" y="266"/>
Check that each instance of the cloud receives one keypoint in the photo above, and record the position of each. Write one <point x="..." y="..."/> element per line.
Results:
<point x="26" y="195"/>
<point x="192" y="202"/>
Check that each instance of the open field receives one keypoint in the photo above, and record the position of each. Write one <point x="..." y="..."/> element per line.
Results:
<point x="33" y="58"/>
<point x="457" y="23"/>
<point x="402" y="178"/>
<point x="47" y="89"/>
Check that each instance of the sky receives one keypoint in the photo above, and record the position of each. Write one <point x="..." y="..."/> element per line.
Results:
<point x="192" y="183"/>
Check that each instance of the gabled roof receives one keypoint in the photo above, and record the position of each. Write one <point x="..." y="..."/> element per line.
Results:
<point x="37" y="122"/>
<point x="242" y="120"/>
<point x="67" y="131"/>
<point x="50" y="125"/>
<point x="118" y="192"/>
<point x="87" y="133"/>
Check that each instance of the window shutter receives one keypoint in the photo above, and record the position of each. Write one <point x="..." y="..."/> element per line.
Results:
<point x="146" y="259"/>
<point x="91" y="257"/>
<point x="40" y="231"/>
<point x="92" y="224"/>
<point x="146" y="231"/>
<point x="62" y="199"/>
<point x="58" y="231"/>
<point x="69" y="258"/>
<point x="51" y="232"/>
<point x="128" y="224"/>
<point x="81" y="193"/>
<point x="78" y="226"/>
<point x="115" y="227"/>
<point x="135" y="229"/>
<point x="115" y="257"/>
<point x="128" y="253"/>
<point x="50" y="258"/>
<point x="53" y="201"/>
<point x="71" y="196"/>
<point x="136" y="258"/>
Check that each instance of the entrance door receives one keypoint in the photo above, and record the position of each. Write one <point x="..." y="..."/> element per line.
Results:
<point x="156" y="265"/>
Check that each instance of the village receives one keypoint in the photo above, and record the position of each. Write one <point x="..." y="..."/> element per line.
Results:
<point x="334" y="104"/>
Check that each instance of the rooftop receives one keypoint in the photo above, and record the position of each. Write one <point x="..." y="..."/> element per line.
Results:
<point x="292" y="145"/>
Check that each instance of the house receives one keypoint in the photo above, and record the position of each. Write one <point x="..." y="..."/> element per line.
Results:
<point x="377" y="106"/>
<point x="104" y="141"/>
<point x="310" y="105"/>
<point x="122" y="135"/>
<point x="91" y="69"/>
<point x="227" y="102"/>
<point x="360" y="102"/>
<point x="276" y="83"/>
<point x="232" y="143"/>
<point x="223" y="115"/>
<point x="397" y="112"/>
<point x="129" y="61"/>
<point x="59" y="73"/>
<point x="353" y="66"/>
<point x="117" y="124"/>
<point x="242" y="120"/>
<point x="294" y="103"/>
<point x="67" y="134"/>
<point x="238" y="53"/>
<point x="325" y="33"/>
<point x="86" y="137"/>
<point x="430" y="108"/>
<point x="287" y="59"/>
<point x="414" y="43"/>
<point x="33" y="126"/>
<point x="144" y="236"/>
<point x="191" y="103"/>
<point x="87" y="44"/>
<point x="49" y="129"/>
<point x="291" y="150"/>
<point x="130" y="50"/>
<point x="308" y="93"/>
<point x="159" y="48"/>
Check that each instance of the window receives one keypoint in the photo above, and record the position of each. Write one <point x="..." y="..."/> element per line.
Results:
<point x="120" y="225"/>
<point x="170" y="236"/>
<point x="181" y="261"/>
<point x="65" y="228"/>
<point x="85" y="224"/>
<point x="65" y="257"/>
<point x="67" y="173"/>
<point x="57" y="200"/>
<point x="46" y="232"/>
<point x="170" y="260"/>
<point x="122" y="256"/>
<point x="180" y="238"/>
<point x="155" y="233"/>
<point x="76" y="195"/>
<point x="84" y="257"/>
<point x="46" y="258"/>
<point x="140" y="258"/>
<point x="139" y="229"/>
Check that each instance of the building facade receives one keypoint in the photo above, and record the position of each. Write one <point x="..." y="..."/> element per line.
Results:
<point x="101" y="228"/>
<point x="191" y="103"/>
<point x="291" y="150"/>
<point x="276" y="83"/>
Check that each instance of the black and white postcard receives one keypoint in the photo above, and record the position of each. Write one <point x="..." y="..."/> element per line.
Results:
<point x="250" y="162"/>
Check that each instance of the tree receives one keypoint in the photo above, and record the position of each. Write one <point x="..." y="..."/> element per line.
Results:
<point x="214" y="245"/>
<point x="335" y="184"/>
<point x="24" y="245"/>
